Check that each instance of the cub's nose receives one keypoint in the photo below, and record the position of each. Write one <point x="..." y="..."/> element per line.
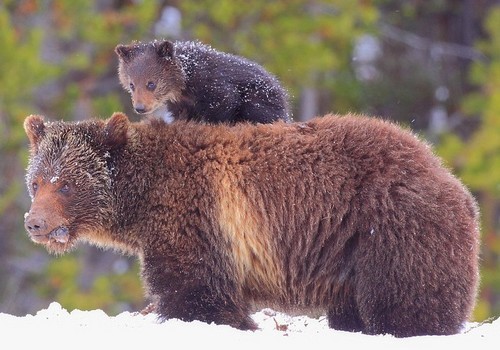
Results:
<point x="140" y="108"/>
<point x="35" y="225"/>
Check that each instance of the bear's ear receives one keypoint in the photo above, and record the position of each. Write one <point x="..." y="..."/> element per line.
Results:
<point x="165" y="49"/>
<point x="115" y="131"/>
<point x="125" y="52"/>
<point x="35" y="129"/>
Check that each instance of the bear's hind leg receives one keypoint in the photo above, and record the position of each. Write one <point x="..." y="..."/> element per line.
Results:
<point x="343" y="315"/>
<point x="416" y="317"/>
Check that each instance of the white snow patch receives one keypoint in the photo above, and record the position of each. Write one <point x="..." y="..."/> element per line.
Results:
<point x="164" y="114"/>
<point x="56" y="328"/>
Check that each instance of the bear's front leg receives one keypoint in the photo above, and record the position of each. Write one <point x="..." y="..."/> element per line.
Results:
<point x="203" y="303"/>
<point x="193" y="293"/>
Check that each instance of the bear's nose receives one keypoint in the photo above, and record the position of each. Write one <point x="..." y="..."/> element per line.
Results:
<point x="35" y="225"/>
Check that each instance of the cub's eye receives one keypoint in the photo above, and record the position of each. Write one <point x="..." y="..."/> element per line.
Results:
<point x="34" y="186"/>
<point x="131" y="86"/>
<point x="64" y="189"/>
<point x="150" y="86"/>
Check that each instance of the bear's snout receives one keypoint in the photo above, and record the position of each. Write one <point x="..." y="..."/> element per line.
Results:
<point x="42" y="231"/>
<point x="37" y="227"/>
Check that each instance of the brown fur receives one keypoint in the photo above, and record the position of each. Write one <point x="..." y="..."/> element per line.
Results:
<point x="351" y="215"/>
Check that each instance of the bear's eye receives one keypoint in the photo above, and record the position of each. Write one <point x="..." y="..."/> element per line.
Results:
<point x="34" y="186"/>
<point x="132" y="87"/>
<point x="151" y="86"/>
<point x="64" y="189"/>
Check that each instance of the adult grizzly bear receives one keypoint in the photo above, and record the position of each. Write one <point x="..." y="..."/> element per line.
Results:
<point x="349" y="214"/>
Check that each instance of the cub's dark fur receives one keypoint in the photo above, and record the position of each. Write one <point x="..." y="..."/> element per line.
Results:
<point x="192" y="81"/>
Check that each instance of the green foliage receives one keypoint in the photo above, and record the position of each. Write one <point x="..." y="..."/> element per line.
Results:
<point x="477" y="159"/>
<point x="21" y="71"/>
<point x="18" y="80"/>
<point x="300" y="42"/>
<point x="104" y="106"/>
<point x="9" y="196"/>
<point x="107" y="292"/>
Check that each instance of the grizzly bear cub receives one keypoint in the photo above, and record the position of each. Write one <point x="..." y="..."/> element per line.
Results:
<point x="351" y="215"/>
<point x="189" y="80"/>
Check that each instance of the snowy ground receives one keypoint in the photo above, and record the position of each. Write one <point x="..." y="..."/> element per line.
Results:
<point x="56" y="328"/>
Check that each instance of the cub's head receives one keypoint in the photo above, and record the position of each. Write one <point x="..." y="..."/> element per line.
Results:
<point x="151" y="74"/>
<point x="69" y="178"/>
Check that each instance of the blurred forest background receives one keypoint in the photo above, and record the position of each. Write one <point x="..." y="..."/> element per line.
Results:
<point x="431" y="65"/>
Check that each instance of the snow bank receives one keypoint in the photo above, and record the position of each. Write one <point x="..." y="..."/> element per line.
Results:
<point x="56" y="328"/>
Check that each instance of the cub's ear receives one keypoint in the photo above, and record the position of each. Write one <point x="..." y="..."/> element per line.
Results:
<point x="115" y="131"/>
<point x="165" y="49"/>
<point x="35" y="129"/>
<point x="125" y="52"/>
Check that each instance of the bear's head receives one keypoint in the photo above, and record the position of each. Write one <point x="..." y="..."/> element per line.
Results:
<point x="151" y="74"/>
<point x="69" y="178"/>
